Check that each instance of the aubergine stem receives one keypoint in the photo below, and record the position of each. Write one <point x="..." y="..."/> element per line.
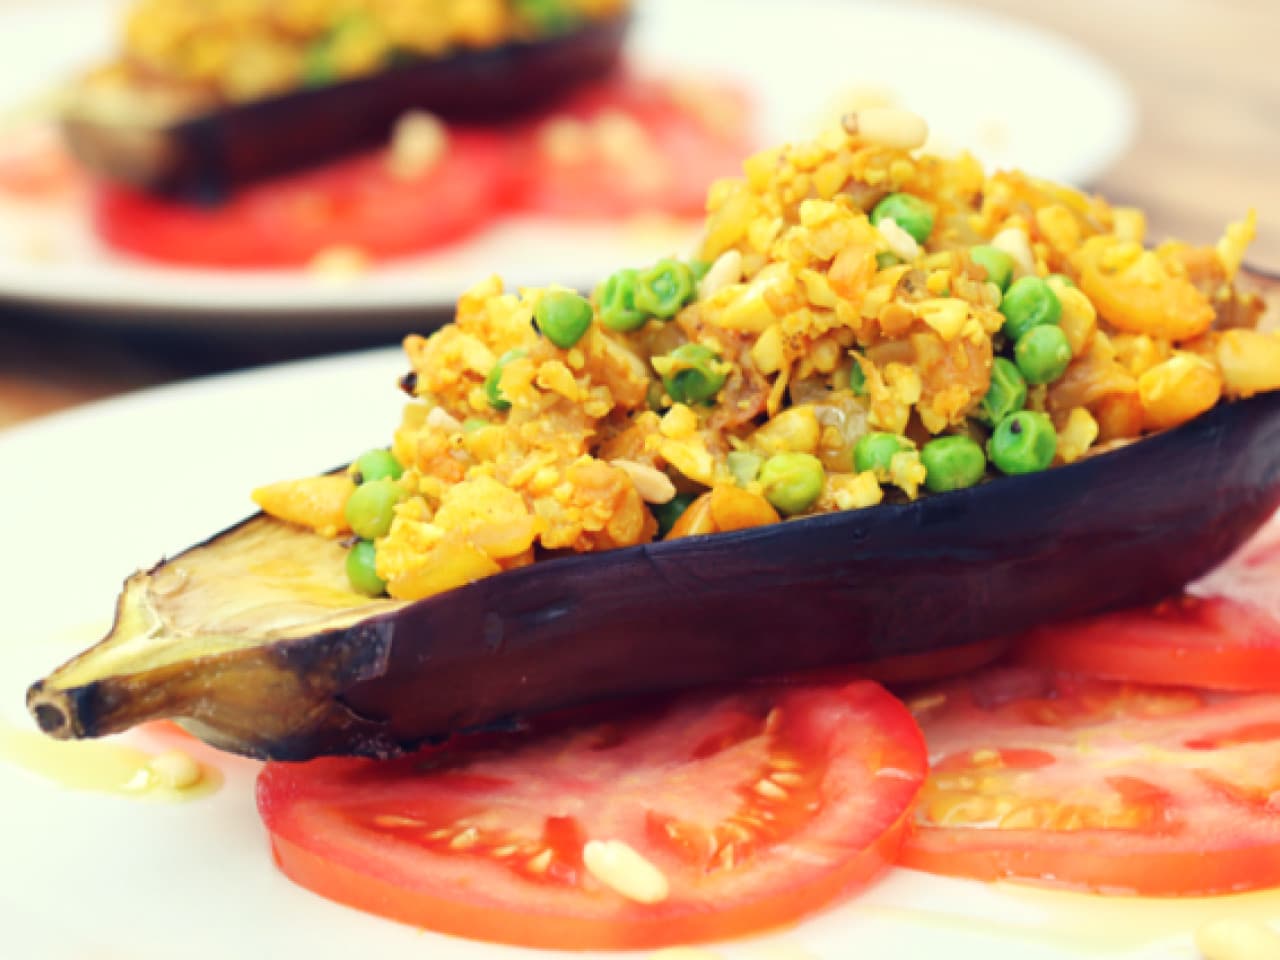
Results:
<point x="203" y="157"/>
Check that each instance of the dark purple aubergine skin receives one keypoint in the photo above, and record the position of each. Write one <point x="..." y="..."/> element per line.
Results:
<point x="1123" y="528"/>
<point x="206" y="157"/>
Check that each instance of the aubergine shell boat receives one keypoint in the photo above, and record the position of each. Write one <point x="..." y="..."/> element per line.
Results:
<point x="254" y="641"/>
<point x="203" y="155"/>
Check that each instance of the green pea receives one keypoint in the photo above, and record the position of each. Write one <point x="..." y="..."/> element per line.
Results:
<point x="493" y="382"/>
<point x="371" y="508"/>
<point x="1055" y="279"/>
<point x="699" y="269"/>
<point x="910" y="213"/>
<point x="857" y="379"/>
<point x="563" y="317"/>
<point x="547" y="16"/>
<point x="668" y="513"/>
<point x="792" y="482"/>
<point x="617" y="298"/>
<point x="997" y="263"/>
<point x="317" y="64"/>
<point x="1007" y="393"/>
<point x="691" y="373"/>
<point x="376" y="465"/>
<point x="1043" y="354"/>
<point x="362" y="572"/>
<point x="885" y="259"/>
<point x="744" y="466"/>
<point x="664" y="288"/>
<point x="952" y="463"/>
<point x="875" y="451"/>
<point x="1029" y="302"/>
<point x="1023" y="443"/>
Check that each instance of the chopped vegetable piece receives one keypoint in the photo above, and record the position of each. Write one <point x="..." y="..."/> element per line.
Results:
<point x="952" y="463"/>
<point x="1007" y="393"/>
<point x="371" y="507"/>
<point x="1024" y="442"/>
<point x="377" y="465"/>
<point x="493" y="382"/>
<point x="362" y="570"/>
<point x="857" y="378"/>
<point x="692" y="373"/>
<point x="997" y="263"/>
<point x="744" y="466"/>
<point x="668" y="513"/>
<point x="563" y="317"/>
<point x="618" y="310"/>
<point x="912" y="214"/>
<point x="664" y="288"/>
<point x="1043" y="354"/>
<point x="875" y="452"/>
<point x="1029" y="302"/>
<point x="792" y="482"/>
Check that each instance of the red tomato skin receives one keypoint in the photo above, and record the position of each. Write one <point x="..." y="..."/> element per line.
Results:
<point x="1213" y="643"/>
<point x="356" y="202"/>
<point x="317" y="864"/>
<point x="1030" y="857"/>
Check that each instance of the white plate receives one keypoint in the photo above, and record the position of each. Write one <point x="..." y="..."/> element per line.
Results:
<point x="92" y="494"/>
<point x="1016" y="95"/>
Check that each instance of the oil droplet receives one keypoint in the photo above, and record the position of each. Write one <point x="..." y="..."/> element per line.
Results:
<point x="109" y="767"/>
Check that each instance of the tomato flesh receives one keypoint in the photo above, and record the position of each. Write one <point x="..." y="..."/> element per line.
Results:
<point x="356" y="202"/>
<point x="1117" y="788"/>
<point x="1227" y="637"/>
<point x="1212" y="642"/>
<point x="632" y="146"/>
<point x="757" y="807"/>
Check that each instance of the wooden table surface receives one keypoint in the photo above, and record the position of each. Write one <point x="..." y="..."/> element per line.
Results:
<point x="1207" y="149"/>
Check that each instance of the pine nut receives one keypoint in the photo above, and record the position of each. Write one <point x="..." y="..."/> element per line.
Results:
<point x="418" y="143"/>
<point x="622" y="869"/>
<point x="887" y="127"/>
<point x="652" y="484"/>
<point x="726" y="271"/>
<point x="901" y="244"/>
<point x="442" y="419"/>
<point x="1015" y="242"/>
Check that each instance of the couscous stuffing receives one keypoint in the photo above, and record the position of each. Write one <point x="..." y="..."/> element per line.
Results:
<point x="862" y="322"/>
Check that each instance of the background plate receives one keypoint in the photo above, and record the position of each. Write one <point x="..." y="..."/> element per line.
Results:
<point x="87" y="876"/>
<point x="1059" y="113"/>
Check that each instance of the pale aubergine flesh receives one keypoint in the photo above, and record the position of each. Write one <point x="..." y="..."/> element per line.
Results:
<point x="205" y="156"/>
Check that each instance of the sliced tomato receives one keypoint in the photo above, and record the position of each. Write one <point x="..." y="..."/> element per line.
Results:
<point x="356" y="202"/>
<point x="1216" y="643"/>
<point x="756" y="807"/>
<point x="632" y="146"/>
<point x="1226" y="638"/>
<point x="34" y="165"/>
<point x="1110" y="787"/>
